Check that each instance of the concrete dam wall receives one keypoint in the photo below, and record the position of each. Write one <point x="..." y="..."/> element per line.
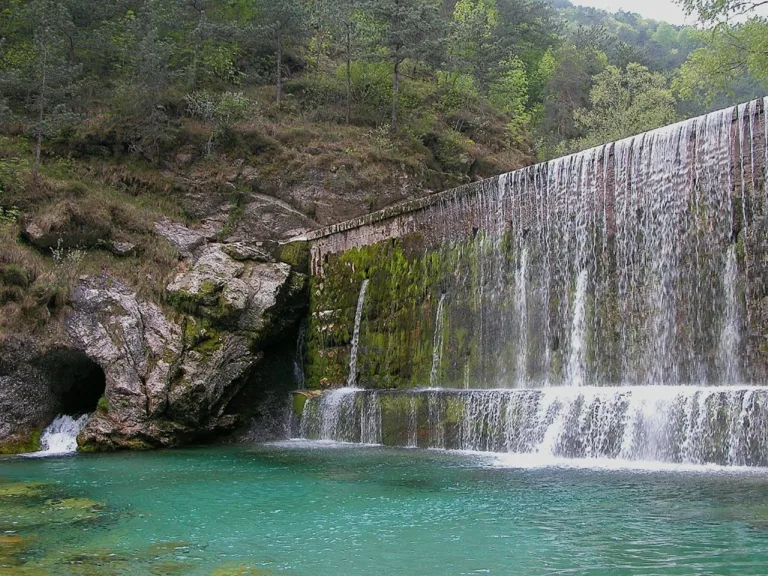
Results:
<point x="641" y="262"/>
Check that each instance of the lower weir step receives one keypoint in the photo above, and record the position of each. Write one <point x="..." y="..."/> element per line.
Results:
<point x="681" y="424"/>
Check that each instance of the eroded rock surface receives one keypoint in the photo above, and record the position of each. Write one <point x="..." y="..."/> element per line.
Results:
<point x="170" y="373"/>
<point x="185" y="240"/>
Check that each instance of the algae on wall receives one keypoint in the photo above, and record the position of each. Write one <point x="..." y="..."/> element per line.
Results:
<point x="397" y="340"/>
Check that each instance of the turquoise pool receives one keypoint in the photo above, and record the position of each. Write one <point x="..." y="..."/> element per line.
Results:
<point x="314" y="509"/>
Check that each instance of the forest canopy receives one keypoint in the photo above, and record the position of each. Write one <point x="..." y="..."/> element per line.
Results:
<point x="559" y="77"/>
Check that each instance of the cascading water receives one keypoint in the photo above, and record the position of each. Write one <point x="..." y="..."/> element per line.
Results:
<point x="682" y="424"/>
<point x="60" y="437"/>
<point x="601" y="308"/>
<point x="352" y="377"/>
<point x="521" y="311"/>
<point x="298" y="357"/>
<point x="730" y="333"/>
<point x="577" y="362"/>
<point x="437" y="349"/>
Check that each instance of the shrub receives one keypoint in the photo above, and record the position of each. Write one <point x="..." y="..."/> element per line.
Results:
<point x="14" y="275"/>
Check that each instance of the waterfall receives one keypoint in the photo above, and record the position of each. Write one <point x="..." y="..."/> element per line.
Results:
<point x="602" y="305"/>
<point x="437" y="348"/>
<point x="577" y="362"/>
<point x="298" y="357"/>
<point x="330" y="416"/>
<point x="352" y="377"/>
<point x="678" y="424"/>
<point x="730" y="332"/>
<point x="60" y="437"/>
<point x="413" y="432"/>
<point x="521" y="311"/>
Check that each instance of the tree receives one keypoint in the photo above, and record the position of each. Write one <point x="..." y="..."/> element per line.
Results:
<point x="220" y="112"/>
<point x="284" y="22"/>
<point x="42" y="73"/>
<point x="624" y="103"/>
<point x="475" y="47"/>
<point x="713" y="12"/>
<point x="343" y="18"/>
<point x="735" y="45"/>
<point x="568" y="85"/>
<point x="408" y="29"/>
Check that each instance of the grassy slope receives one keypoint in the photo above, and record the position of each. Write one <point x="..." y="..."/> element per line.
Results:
<point x="301" y="155"/>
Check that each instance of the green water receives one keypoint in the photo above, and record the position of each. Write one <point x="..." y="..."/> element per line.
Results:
<point x="297" y="509"/>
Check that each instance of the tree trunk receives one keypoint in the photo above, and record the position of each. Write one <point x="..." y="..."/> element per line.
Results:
<point x="279" y="83"/>
<point x="349" y="75"/>
<point x="41" y="109"/>
<point x="395" y="97"/>
<point x="198" y="45"/>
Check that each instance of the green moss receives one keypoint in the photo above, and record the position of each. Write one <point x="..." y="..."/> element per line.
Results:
<point x="103" y="405"/>
<point x="298" y="402"/>
<point x="201" y="336"/>
<point x="24" y="445"/>
<point x="296" y="254"/>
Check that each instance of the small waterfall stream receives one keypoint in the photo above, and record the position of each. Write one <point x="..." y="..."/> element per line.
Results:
<point x="437" y="348"/>
<point x="60" y="437"/>
<point x="521" y="312"/>
<point x="730" y="332"/>
<point x="577" y="363"/>
<point x="352" y="377"/>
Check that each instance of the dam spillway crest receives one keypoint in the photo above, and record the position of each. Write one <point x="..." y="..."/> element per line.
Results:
<point x="612" y="303"/>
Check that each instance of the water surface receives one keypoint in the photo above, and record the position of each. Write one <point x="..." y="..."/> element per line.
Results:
<point x="301" y="508"/>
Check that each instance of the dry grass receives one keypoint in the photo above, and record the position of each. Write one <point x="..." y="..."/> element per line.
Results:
<point x="69" y="202"/>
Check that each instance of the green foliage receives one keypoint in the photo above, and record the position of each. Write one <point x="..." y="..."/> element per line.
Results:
<point x="624" y="103"/>
<point x="730" y="53"/>
<point x="103" y="405"/>
<point x="9" y="215"/>
<point x="220" y="111"/>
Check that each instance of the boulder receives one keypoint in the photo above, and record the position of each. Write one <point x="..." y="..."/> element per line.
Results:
<point x="243" y="251"/>
<point x="185" y="240"/>
<point x="170" y="378"/>
<point x="122" y="249"/>
<point x="237" y="294"/>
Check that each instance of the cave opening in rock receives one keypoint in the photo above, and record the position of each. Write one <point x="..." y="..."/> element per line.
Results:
<point x="86" y="390"/>
<point x="78" y="384"/>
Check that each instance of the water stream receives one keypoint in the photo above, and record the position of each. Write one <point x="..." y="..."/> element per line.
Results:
<point x="352" y="377"/>
<point x="437" y="349"/>
<point x="60" y="437"/>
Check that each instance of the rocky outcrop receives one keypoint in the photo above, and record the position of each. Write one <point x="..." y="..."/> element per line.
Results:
<point x="186" y="241"/>
<point x="171" y="373"/>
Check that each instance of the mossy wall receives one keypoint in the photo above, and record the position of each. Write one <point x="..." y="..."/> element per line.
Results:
<point x="506" y="255"/>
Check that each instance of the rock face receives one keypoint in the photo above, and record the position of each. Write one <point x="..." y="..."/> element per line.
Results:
<point x="186" y="241"/>
<point x="170" y="374"/>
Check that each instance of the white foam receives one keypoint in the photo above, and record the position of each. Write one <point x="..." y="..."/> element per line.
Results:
<point x="536" y="461"/>
<point x="60" y="437"/>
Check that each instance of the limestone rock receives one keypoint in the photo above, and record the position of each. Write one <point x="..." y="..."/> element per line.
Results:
<point x="169" y="381"/>
<point x="238" y="294"/>
<point x="186" y="241"/>
<point x="122" y="249"/>
<point x="243" y="251"/>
